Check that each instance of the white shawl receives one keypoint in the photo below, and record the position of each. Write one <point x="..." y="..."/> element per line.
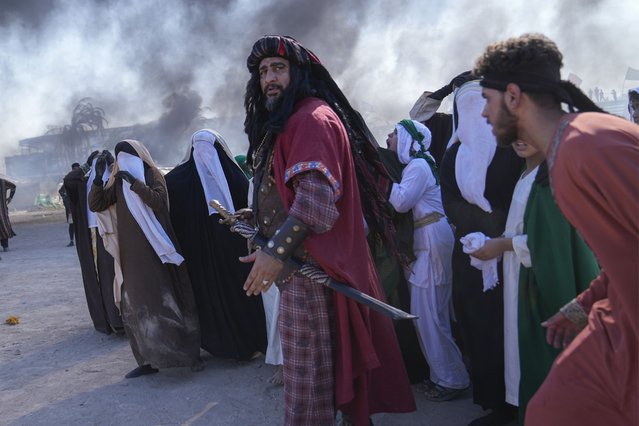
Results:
<point x="477" y="147"/>
<point x="143" y="214"/>
<point x="210" y="169"/>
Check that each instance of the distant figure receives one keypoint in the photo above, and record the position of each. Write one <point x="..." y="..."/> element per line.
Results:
<point x="633" y="104"/>
<point x="155" y="297"/>
<point x="6" y="231"/>
<point x="67" y="207"/>
<point x="232" y="325"/>
<point x="614" y="95"/>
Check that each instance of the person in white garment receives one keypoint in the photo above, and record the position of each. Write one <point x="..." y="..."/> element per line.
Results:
<point x="271" y="301"/>
<point x="430" y="275"/>
<point x="514" y="248"/>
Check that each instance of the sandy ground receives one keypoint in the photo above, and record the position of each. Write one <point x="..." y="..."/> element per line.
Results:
<point x="55" y="369"/>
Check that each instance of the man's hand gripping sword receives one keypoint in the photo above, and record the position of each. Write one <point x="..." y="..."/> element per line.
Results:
<point x="314" y="273"/>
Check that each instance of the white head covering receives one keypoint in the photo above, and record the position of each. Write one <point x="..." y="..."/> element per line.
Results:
<point x="405" y="142"/>
<point x="210" y="169"/>
<point x="143" y="214"/>
<point x="478" y="145"/>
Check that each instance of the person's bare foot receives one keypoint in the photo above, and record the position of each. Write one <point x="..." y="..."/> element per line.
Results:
<point x="278" y="377"/>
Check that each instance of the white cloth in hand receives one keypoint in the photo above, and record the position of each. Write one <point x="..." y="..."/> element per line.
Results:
<point x="473" y="242"/>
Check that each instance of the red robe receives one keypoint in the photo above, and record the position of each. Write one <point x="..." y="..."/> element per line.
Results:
<point x="369" y="371"/>
<point x="594" y="161"/>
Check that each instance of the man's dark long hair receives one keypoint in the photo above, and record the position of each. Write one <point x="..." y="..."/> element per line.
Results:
<point x="259" y="120"/>
<point x="308" y="77"/>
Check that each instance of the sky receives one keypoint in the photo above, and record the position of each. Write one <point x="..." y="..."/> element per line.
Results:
<point x="146" y="60"/>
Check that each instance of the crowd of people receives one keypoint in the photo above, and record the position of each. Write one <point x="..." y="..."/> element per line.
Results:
<point x="509" y="228"/>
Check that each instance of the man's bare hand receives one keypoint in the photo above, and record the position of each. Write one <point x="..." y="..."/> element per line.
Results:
<point x="560" y="331"/>
<point x="264" y="272"/>
<point x="492" y="248"/>
<point x="245" y="215"/>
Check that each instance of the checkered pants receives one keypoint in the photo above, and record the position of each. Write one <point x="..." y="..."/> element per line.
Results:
<point x="305" y="329"/>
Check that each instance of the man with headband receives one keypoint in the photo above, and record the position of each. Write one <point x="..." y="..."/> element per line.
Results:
<point x="592" y="160"/>
<point x="317" y="179"/>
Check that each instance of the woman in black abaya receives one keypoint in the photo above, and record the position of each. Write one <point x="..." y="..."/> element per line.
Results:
<point x="232" y="324"/>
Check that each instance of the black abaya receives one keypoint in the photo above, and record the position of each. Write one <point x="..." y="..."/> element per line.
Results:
<point x="232" y="324"/>
<point x="98" y="283"/>
<point x="480" y="315"/>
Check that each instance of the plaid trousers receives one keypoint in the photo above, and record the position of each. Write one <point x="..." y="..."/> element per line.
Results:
<point x="306" y="331"/>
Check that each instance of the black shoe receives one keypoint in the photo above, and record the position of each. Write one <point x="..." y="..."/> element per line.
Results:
<point x="141" y="371"/>
<point x="70" y="244"/>
<point x="439" y="393"/>
<point x="498" y="417"/>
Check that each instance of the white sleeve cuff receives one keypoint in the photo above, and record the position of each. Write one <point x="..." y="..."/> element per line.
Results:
<point x="520" y="247"/>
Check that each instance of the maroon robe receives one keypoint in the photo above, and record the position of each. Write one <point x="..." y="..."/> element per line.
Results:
<point x="369" y="371"/>
<point x="594" y="170"/>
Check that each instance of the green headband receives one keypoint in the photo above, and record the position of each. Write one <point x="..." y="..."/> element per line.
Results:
<point x="412" y="130"/>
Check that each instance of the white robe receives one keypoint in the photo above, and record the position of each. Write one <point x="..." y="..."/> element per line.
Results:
<point x="271" y="302"/>
<point x="430" y="277"/>
<point x="512" y="260"/>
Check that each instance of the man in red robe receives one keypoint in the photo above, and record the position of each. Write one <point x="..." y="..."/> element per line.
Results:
<point x="307" y="147"/>
<point x="593" y="160"/>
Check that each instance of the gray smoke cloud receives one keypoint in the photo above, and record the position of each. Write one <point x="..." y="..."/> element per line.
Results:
<point x="169" y="62"/>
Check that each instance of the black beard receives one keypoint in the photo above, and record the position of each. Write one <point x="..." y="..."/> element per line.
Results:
<point x="507" y="139"/>
<point x="272" y="103"/>
<point x="507" y="123"/>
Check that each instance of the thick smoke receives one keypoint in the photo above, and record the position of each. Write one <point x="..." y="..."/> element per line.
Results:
<point x="169" y="62"/>
<point x="181" y="109"/>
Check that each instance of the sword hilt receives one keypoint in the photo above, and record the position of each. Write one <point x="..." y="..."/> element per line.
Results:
<point x="227" y="216"/>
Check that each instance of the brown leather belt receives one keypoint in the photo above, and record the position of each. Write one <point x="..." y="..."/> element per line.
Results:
<point x="428" y="219"/>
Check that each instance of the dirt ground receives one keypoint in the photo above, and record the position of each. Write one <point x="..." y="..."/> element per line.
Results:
<point x="55" y="369"/>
